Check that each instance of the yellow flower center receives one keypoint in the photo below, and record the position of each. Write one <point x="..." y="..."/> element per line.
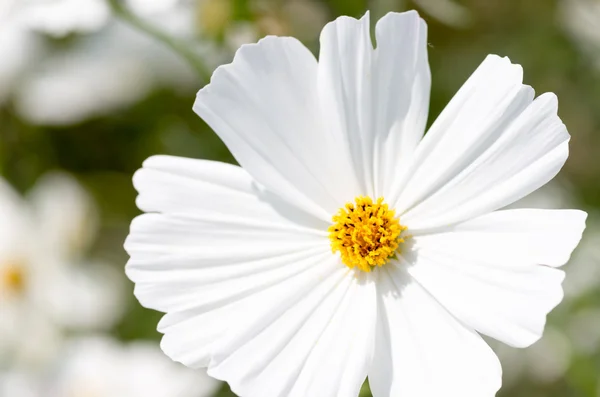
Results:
<point x="12" y="278"/>
<point x="366" y="233"/>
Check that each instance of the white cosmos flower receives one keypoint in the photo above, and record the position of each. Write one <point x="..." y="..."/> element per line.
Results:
<point x="46" y="284"/>
<point x="26" y="338"/>
<point x="241" y="261"/>
<point x="101" y="367"/>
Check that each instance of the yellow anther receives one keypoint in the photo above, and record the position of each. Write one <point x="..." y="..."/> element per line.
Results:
<point x="366" y="233"/>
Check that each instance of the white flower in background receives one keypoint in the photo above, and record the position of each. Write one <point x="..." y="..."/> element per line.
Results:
<point x="108" y="66"/>
<point x="101" y="74"/>
<point x="19" y="384"/>
<point x="349" y="244"/>
<point x="581" y="19"/>
<point x="26" y="337"/>
<point x="107" y="71"/>
<point x="157" y="7"/>
<point x="59" y="18"/>
<point x="18" y="48"/>
<point x="101" y="367"/>
<point x="45" y="284"/>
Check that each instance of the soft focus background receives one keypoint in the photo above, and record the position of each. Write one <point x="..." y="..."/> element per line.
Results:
<point x="89" y="89"/>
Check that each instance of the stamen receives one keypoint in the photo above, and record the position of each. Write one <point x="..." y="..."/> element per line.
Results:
<point x="12" y="277"/>
<point x="366" y="233"/>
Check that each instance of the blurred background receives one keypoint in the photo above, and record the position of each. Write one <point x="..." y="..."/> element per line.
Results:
<point x="90" y="88"/>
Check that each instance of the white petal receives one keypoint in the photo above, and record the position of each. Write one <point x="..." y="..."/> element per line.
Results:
<point x="170" y="184"/>
<point x="345" y="91"/>
<point x="201" y="312"/>
<point x="265" y="107"/>
<point x="401" y="85"/>
<point x="488" y="272"/>
<point x="319" y="342"/>
<point x="217" y="245"/>
<point x="490" y="147"/>
<point x="422" y="350"/>
<point x="376" y="99"/>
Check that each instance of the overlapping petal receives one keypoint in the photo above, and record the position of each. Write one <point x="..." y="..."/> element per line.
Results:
<point x="497" y="273"/>
<point x="491" y="146"/>
<point x="345" y="91"/>
<point x="221" y="272"/>
<point x="376" y="100"/>
<point x="170" y="184"/>
<point x="422" y="350"/>
<point x="300" y="346"/>
<point x="402" y="82"/>
<point x="265" y="107"/>
<point x="337" y="128"/>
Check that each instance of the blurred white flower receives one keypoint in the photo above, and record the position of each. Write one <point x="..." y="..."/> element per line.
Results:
<point x="29" y="340"/>
<point x="18" y="48"/>
<point x="111" y="66"/>
<point x="19" y="384"/>
<point x="44" y="284"/>
<point x="101" y="367"/>
<point x="20" y="283"/>
<point x="99" y="76"/>
<point x="61" y="17"/>
<point x="109" y="70"/>
<point x="156" y="7"/>
<point x="581" y="19"/>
